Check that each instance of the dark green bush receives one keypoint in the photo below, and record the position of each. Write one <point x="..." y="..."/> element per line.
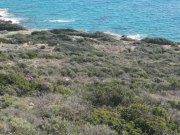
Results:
<point x="57" y="126"/>
<point x="86" y="58"/>
<point x="68" y="72"/>
<point x="65" y="31"/>
<point x="17" y="84"/>
<point x="63" y="37"/>
<point x="29" y="54"/>
<point x="7" y="41"/>
<point x="174" y="83"/>
<point x="41" y="33"/>
<point x="109" y="94"/>
<point x="16" y="126"/>
<point x="158" y="40"/>
<point x="135" y="111"/>
<point x="138" y="110"/>
<point x="113" y="120"/>
<point x="62" y="90"/>
<point x="152" y="126"/>
<point x="19" y="39"/>
<point x="104" y="116"/>
<point x="175" y="104"/>
<point x="5" y="56"/>
<point x="151" y="120"/>
<point x="6" y="101"/>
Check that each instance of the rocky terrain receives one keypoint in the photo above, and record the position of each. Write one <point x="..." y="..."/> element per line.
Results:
<point x="68" y="82"/>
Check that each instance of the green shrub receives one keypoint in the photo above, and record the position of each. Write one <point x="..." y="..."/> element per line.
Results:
<point x="19" y="38"/>
<point x="16" y="126"/>
<point x="109" y="94"/>
<point x="5" y="56"/>
<point x="151" y="120"/>
<point x="154" y="126"/>
<point x="57" y="126"/>
<point x="62" y="90"/>
<point x="65" y="31"/>
<point x="174" y="83"/>
<point x="175" y="104"/>
<point x="86" y="58"/>
<point x="68" y="72"/>
<point x="44" y="87"/>
<point x="100" y="72"/>
<point x="160" y="112"/>
<point x="41" y="33"/>
<point x="113" y="120"/>
<point x="7" y="41"/>
<point x="96" y="130"/>
<point x="16" y="84"/>
<point x="28" y="55"/>
<point x="63" y="37"/>
<point x="135" y="111"/>
<point x="6" y="101"/>
<point x="135" y="72"/>
<point x="104" y="116"/>
<point x="14" y="80"/>
<point x="140" y="83"/>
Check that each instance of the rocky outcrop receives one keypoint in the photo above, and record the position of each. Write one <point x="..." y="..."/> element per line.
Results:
<point x="9" y="26"/>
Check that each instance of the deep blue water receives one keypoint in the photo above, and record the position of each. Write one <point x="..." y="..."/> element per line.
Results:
<point x="131" y="17"/>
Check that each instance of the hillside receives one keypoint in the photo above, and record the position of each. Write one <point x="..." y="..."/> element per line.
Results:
<point x="68" y="82"/>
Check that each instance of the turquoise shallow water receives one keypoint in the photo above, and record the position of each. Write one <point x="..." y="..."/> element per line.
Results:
<point x="131" y="17"/>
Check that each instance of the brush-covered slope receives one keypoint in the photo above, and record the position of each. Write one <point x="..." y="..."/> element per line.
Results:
<point x="61" y="82"/>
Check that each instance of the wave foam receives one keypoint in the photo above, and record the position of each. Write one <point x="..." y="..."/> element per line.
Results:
<point x="62" y="21"/>
<point x="135" y="37"/>
<point x="6" y="16"/>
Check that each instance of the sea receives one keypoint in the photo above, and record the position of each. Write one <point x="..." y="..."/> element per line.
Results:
<point x="135" y="18"/>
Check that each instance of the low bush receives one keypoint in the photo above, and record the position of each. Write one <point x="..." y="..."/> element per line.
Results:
<point x="109" y="94"/>
<point x="6" y="41"/>
<point x="19" y="39"/>
<point x="158" y="40"/>
<point x="28" y="54"/>
<point x="57" y="126"/>
<point x="96" y="130"/>
<point x="113" y="120"/>
<point x="104" y="116"/>
<point x="151" y="120"/>
<point x="62" y="90"/>
<point x="16" y="126"/>
<point x="65" y="31"/>
<point x="5" y="56"/>
<point x="17" y="84"/>
<point x="152" y="126"/>
<point x="175" y="104"/>
<point x="174" y="83"/>
<point x="6" y="101"/>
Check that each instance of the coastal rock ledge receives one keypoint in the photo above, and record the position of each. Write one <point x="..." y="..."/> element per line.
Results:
<point x="9" y="26"/>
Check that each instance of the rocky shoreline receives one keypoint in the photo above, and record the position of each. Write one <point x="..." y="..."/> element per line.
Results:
<point x="9" y="26"/>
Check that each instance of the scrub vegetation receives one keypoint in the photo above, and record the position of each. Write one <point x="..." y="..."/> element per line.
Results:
<point x="67" y="82"/>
